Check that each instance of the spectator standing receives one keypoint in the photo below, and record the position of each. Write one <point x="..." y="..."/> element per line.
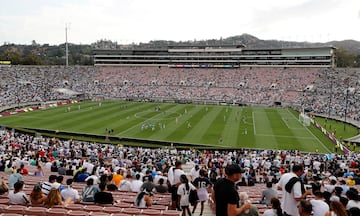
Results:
<point x="225" y="194"/>
<point x="174" y="179"/>
<point x="202" y="184"/>
<point x="292" y="197"/>
<point x="183" y="192"/>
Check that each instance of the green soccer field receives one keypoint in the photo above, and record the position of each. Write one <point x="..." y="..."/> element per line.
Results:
<point x="224" y="126"/>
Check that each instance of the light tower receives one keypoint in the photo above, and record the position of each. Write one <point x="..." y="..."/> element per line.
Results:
<point x="66" y="44"/>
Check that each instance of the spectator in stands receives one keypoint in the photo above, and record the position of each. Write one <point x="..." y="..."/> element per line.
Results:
<point x="103" y="197"/>
<point x="39" y="171"/>
<point x="9" y="169"/>
<point x="3" y="186"/>
<point x="54" y="197"/>
<point x="37" y="197"/>
<point x="125" y="184"/>
<point x="354" y="212"/>
<point x="353" y="196"/>
<point x="319" y="206"/>
<point x="174" y="179"/>
<point x="60" y="180"/>
<point x="143" y="199"/>
<point x="81" y="175"/>
<point x="70" y="193"/>
<point x="329" y="184"/>
<point x="46" y="186"/>
<point x="336" y="208"/>
<point x="194" y="172"/>
<point x="110" y="184"/>
<point x="136" y="184"/>
<point x="148" y="184"/>
<point x="268" y="193"/>
<point x="225" y="194"/>
<point x="13" y="178"/>
<point x="244" y="199"/>
<point x="202" y="184"/>
<point x="62" y="169"/>
<point x="161" y="187"/>
<point x="54" y="167"/>
<point x="17" y="196"/>
<point x="305" y="208"/>
<point x="23" y="170"/>
<point x="275" y="208"/>
<point x="89" y="191"/>
<point x="183" y="192"/>
<point x="295" y="191"/>
<point x="117" y="177"/>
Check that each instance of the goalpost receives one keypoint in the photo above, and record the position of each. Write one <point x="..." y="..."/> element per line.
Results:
<point x="304" y="119"/>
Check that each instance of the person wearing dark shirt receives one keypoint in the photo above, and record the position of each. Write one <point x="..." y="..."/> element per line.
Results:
<point x="161" y="187"/>
<point x="103" y="197"/>
<point x="62" y="169"/>
<point x="110" y="186"/>
<point x="202" y="184"/>
<point x="225" y="194"/>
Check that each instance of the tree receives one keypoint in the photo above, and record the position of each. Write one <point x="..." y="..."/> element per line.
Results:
<point x="345" y="58"/>
<point x="11" y="55"/>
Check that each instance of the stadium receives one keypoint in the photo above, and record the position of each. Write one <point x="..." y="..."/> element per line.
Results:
<point x="212" y="97"/>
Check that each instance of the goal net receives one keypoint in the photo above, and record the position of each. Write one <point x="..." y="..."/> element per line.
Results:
<point x="304" y="119"/>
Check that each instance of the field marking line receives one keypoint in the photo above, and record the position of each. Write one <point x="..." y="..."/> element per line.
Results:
<point x="271" y="135"/>
<point x="292" y="128"/>
<point x="253" y="119"/>
<point x="326" y="148"/>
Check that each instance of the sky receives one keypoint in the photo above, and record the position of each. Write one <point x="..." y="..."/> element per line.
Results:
<point x="134" y="21"/>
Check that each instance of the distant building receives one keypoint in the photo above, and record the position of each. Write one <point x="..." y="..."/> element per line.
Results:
<point x="227" y="56"/>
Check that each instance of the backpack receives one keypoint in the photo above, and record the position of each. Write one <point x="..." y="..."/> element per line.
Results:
<point x="291" y="183"/>
<point x="193" y="197"/>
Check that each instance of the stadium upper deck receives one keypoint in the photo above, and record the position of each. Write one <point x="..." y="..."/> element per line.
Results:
<point x="220" y="57"/>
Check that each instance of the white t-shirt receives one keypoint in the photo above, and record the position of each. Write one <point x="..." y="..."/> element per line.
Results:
<point x="136" y="185"/>
<point x="352" y="203"/>
<point x="125" y="185"/>
<point x="70" y="192"/>
<point x="174" y="175"/>
<point x="288" y="202"/>
<point x="320" y="207"/>
<point x="184" y="199"/>
<point x="270" y="212"/>
<point x="19" y="198"/>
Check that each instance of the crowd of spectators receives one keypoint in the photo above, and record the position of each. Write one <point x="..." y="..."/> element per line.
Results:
<point x="106" y="168"/>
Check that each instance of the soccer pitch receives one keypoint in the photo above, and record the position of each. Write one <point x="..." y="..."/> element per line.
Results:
<point x="223" y="126"/>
